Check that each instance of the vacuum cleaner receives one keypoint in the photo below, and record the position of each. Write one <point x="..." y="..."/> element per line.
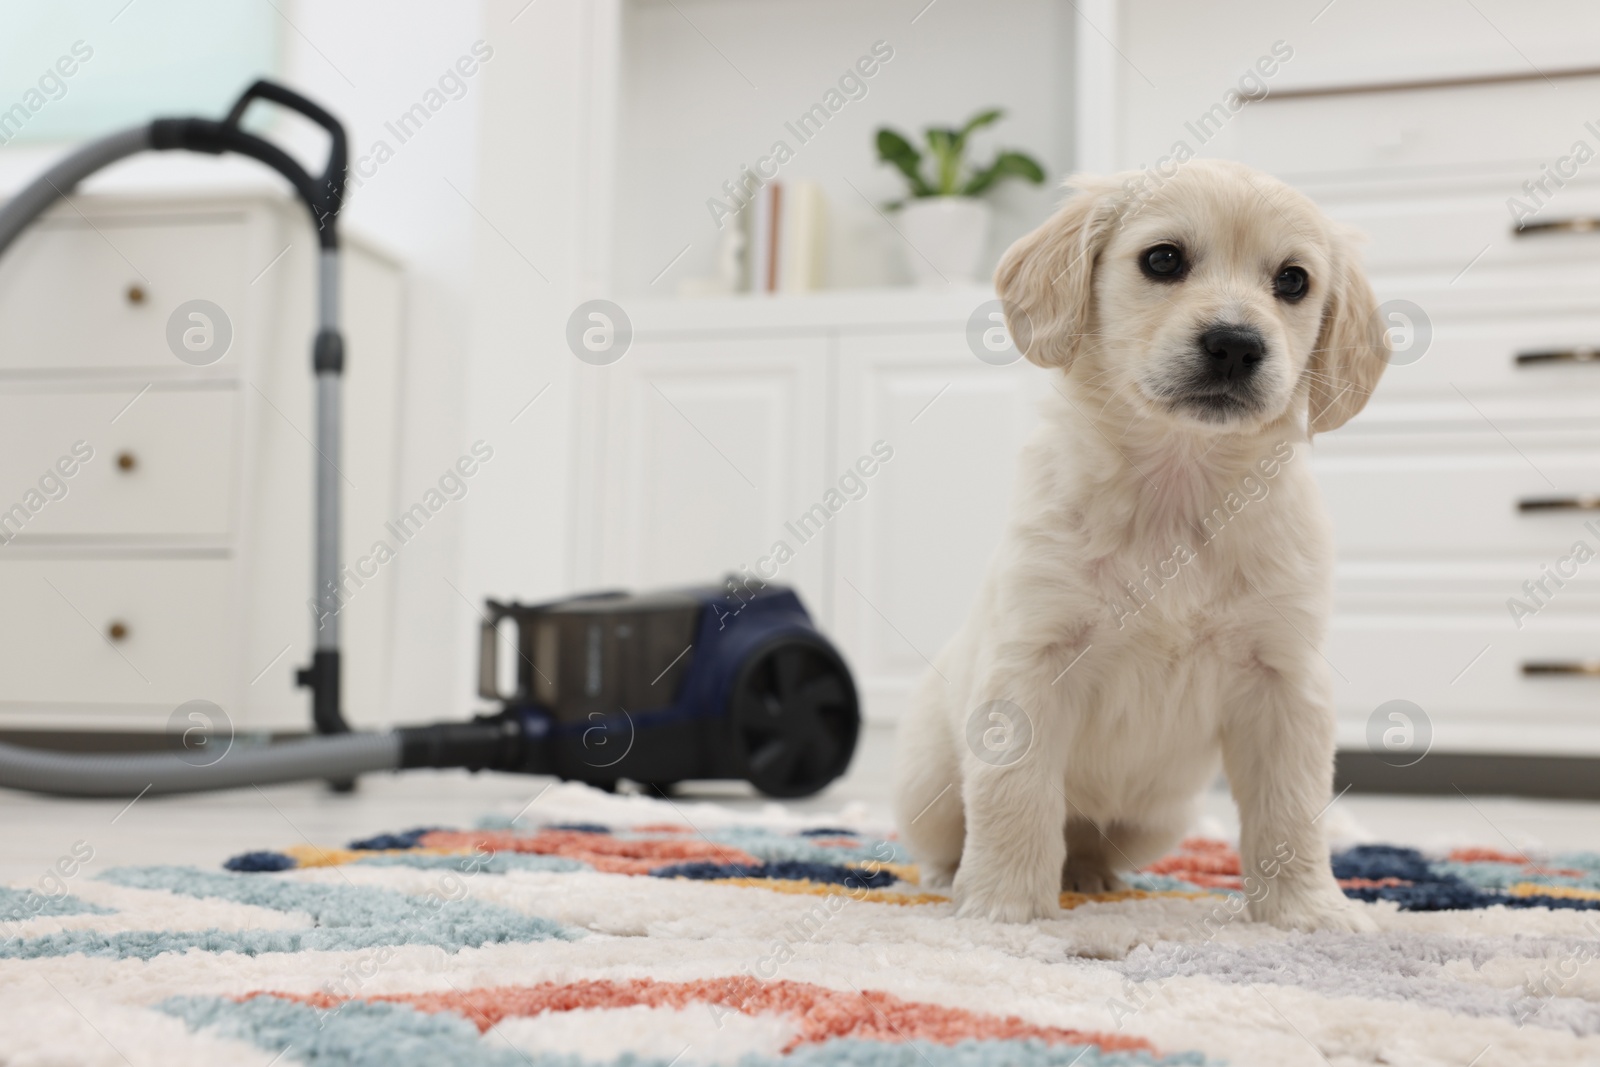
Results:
<point x="729" y="681"/>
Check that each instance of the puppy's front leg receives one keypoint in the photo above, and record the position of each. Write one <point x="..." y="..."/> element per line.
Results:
<point x="1278" y="746"/>
<point x="1012" y="769"/>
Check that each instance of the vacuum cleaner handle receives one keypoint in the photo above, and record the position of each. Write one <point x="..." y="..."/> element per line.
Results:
<point x="333" y="172"/>
<point x="323" y="195"/>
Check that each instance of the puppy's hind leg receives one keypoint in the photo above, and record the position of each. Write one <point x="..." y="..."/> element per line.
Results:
<point x="1097" y="855"/>
<point x="927" y="795"/>
<point x="1092" y="861"/>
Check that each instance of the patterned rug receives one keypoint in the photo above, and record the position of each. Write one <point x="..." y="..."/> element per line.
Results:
<point x="602" y="930"/>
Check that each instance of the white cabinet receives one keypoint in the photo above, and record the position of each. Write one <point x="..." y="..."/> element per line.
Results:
<point x="174" y="563"/>
<point x="753" y="433"/>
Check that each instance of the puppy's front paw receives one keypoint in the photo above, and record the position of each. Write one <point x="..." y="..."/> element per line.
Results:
<point x="1324" y="908"/>
<point x="1003" y="899"/>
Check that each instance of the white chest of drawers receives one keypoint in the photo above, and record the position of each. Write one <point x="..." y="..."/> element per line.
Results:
<point x="174" y="564"/>
<point x="1427" y="487"/>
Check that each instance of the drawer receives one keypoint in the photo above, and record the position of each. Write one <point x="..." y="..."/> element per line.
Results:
<point x="81" y="296"/>
<point x="1448" y="130"/>
<point x="1465" y="672"/>
<point x="179" y="635"/>
<point x="160" y="464"/>
<point x="1476" y="350"/>
<point x="1454" y="230"/>
<point x="1453" y="490"/>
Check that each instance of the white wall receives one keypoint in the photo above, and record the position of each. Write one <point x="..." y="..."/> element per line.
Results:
<point x="538" y="256"/>
<point x="368" y="62"/>
<point x="694" y="108"/>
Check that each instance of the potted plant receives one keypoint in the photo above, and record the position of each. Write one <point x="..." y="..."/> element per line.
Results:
<point x="943" y="220"/>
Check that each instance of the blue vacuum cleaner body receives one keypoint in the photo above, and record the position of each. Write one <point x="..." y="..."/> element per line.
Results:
<point x="730" y="682"/>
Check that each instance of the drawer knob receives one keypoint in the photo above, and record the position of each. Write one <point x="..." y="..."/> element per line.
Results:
<point x="1580" y="502"/>
<point x="135" y="294"/>
<point x="1559" y="355"/>
<point x="1577" y="224"/>
<point x="126" y="461"/>
<point x="117" y="631"/>
<point x="1587" y="668"/>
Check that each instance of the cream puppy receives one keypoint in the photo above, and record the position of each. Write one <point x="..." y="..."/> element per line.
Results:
<point x="1157" y="604"/>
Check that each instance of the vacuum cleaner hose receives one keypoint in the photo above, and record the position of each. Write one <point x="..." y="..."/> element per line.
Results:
<point x="73" y="775"/>
<point x="63" y="178"/>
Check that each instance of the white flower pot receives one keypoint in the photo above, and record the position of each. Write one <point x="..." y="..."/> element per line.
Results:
<point x="947" y="236"/>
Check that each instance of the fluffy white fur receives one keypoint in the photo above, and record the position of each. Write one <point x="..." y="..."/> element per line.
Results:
<point x="1157" y="605"/>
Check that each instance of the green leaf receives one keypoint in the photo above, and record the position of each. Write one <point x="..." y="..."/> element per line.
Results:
<point x="1005" y="165"/>
<point x="1019" y="165"/>
<point x="980" y="120"/>
<point x="895" y="149"/>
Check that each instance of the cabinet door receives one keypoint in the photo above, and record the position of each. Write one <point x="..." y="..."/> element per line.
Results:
<point x="712" y="449"/>
<point x="914" y="548"/>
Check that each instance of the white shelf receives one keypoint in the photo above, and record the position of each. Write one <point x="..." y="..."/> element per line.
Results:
<point x="862" y="310"/>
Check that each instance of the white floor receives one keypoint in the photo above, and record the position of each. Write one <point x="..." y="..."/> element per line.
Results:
<point x="205" y="830"/>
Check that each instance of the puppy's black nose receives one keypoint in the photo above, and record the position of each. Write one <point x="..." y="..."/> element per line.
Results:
<point x="1233" y="351"/>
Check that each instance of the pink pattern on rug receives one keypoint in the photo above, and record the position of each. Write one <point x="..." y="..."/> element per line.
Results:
<point x="835" y="842"/>
<point x="819" y="1013"/>
<point x="1485" y="855"/>
<point x="1198" y="859"/>
<point x="601" y="851"/>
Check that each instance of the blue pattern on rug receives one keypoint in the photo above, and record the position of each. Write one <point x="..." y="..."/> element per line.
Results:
<point x="19" y="904"/>
<point x="257" y="862"/>
<point x="823" y="873"/>
<point x="775" y="847"/>
<point x="356" y="1033"/>
<point x="404" y="839"/>
<point x="499" y="863"/>
<point x="1446" y="885"/>
<point x="1496" y="876"/>
<point x="344" y="917"/>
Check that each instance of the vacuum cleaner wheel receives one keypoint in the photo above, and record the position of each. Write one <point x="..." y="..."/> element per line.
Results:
<point x="795" y="717"/>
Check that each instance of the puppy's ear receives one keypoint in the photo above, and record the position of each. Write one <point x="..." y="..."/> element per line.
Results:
<point x="1352" y="348"/>
<point x="1046" y="279"/>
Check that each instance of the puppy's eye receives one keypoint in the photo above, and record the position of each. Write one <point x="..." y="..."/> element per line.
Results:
<point x="1290" y="283"/>
<point x="1163" y="262"/>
